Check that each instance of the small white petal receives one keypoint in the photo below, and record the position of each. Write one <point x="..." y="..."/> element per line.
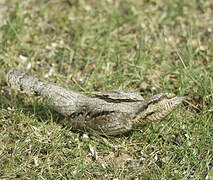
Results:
<point x="23" y="58"/>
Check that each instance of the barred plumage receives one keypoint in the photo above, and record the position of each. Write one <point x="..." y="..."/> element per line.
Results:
<point x="108" y="113"/>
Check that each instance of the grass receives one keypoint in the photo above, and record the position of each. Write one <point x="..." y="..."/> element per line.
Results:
<point x="87" y="46"/>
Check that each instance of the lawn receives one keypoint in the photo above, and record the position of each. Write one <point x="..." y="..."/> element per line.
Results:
<point x="142" y="46"/>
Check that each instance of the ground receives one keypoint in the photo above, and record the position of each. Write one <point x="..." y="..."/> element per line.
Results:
<point x="144" y="46"/>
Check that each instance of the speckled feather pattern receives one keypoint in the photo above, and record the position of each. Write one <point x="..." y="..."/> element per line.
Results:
<point x="108" y="113"/>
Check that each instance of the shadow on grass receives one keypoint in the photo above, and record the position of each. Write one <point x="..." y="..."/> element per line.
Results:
<point x="42" y="110"/>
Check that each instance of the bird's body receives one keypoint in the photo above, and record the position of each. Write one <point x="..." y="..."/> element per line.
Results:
<point x="109" y="113"/>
